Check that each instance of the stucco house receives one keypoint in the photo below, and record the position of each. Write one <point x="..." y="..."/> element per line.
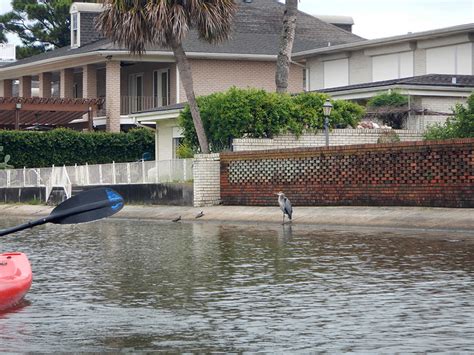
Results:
<point x="434" y="68"/>
<point x="147" y="90"/>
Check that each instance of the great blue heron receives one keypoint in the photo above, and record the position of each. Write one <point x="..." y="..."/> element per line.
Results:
<point x="285" y="206"/>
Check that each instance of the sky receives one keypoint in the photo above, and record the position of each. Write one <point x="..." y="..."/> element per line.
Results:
<point x="384" y="18"/>
<point x="381" y="18"/>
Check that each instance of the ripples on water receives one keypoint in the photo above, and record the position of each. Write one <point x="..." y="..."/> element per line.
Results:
<point x="129" y="285"/>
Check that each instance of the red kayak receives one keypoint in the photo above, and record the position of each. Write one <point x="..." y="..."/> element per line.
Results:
<point x="15" y="279"/>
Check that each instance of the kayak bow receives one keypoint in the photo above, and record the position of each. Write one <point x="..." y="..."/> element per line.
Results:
<point x="15" y="279"/>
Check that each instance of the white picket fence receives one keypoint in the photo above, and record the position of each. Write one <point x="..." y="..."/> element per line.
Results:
<point x="141" y="172"/>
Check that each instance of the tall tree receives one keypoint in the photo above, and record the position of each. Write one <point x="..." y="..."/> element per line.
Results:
<point x="40" y="24"/>
<point x="138" y="23"/>
<point x="3" y="37"/>
<point x="287" y="37"/>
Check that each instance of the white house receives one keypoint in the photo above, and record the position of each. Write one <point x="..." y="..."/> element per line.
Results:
<point x="434" y="68"/>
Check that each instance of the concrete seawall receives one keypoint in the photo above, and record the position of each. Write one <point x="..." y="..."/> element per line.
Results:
<point x="441" y="219"/>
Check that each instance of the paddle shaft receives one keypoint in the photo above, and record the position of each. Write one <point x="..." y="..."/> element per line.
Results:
<point x="57" y="216"/>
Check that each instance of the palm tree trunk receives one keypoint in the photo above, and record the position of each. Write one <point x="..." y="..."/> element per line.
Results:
<point x="287" y="38"/>
<point x="187" y="81"/>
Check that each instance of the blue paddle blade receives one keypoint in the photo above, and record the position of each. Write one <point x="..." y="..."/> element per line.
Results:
<point x="87" y="206"/>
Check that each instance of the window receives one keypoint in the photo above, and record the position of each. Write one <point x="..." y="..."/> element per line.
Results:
<point x="336" y="73"/>
<point x="75" y="30"/>
<point x="75" y="90"/>
<point x="161" y="87"/>
<point x="135" y="92"/>
<point x="306" y="79"/>
<point x="392" y="66"/>
<point x="176" y="143"/>
<point x="450" y="60"/>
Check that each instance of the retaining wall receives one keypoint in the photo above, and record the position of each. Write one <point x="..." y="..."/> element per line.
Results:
<point x="22" y="195"/>
<point x="436" y="174"/>
<point x="173" y="194"/>
<point x="336" y="137"/>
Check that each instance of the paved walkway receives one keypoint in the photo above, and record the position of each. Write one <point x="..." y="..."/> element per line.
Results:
<point x="375" y="217"/>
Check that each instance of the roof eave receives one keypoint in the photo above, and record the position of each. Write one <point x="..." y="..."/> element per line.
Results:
<point x="435" y="90"/>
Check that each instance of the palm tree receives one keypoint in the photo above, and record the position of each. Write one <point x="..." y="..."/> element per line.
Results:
<point x="287" y="38"/>
<point x="138" y="23"/>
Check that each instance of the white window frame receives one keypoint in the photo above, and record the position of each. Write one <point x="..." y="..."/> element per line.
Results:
<point x="135" y="101"/>
<point x="398" y="57"/>
<point x="346" y="80"/>
<point x="158" y="86"/>
<point x="77" y="37"/>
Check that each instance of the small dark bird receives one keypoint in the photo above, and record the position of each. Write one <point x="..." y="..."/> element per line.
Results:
<point x="200" y="214"/>
<point x="177" y="219"/>
<point x="285" y="206"/>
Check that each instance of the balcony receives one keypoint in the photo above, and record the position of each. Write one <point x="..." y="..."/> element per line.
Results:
<point x="134" y="104"/>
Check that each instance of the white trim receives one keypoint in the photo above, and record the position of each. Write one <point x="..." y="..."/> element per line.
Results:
<point x="78" y="29"/>
<point x="413" y="90"/>
<point x="99" y="55"/>
<point x="159" y="85"/>
<point x="178" y="85"/>
<point x="85" y="7"/>
<point x="132" y="91"/>
<point x="156" y="116"/>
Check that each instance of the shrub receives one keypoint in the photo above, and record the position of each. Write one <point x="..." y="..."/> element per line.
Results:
<point x="392" y="99"/>
<point x="255" y="113"/>
<point x="184" y="151"/>
<point x="68" y="147"/>
<point x="460" y="125"/>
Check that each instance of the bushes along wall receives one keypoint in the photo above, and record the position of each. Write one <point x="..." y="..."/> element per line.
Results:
<point x="68" y="147"/>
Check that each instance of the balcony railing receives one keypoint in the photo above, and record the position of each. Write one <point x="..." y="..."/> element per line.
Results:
<point x="133" y="104"/>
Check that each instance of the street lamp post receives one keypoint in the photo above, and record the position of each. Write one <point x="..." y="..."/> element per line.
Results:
<point x="327" y="108"/>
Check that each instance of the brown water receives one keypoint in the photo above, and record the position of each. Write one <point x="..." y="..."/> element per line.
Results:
<point x="135" y="286"/>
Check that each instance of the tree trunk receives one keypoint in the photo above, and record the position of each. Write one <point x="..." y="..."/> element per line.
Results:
<point x="187" y="81"/>
<point x="287" y="38"/>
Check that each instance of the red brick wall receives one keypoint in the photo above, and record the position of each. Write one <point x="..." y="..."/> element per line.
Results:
<point x="437" y="174"/>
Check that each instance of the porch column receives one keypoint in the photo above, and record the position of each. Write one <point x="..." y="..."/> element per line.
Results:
<point x="89" y="82"/>
<point x="66" y="83"/>
<point x="6" y="88"/>
<point x="112" y="95"/>
<point x="45" y="84"/>
<point x="25" y="86"/>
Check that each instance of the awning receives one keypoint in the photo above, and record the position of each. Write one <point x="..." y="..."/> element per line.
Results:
<point x="22" y="112"/>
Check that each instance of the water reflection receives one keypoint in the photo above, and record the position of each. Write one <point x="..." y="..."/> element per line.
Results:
<point x="124" y="285"/>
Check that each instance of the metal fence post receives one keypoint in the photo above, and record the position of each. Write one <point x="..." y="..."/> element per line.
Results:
<point x="171" y="166"/>
<point x="156" y="171"/>
<point x="87" y="174"/>
<point x="24" y="176"/>
<point x="129" y="179"/>
<point x="143" y="171"/>
<point x="184" y="169"/>
<point x="100" y="174"/>
<point x="114" y="177"/>
<point x="38" y="177"/>
<point x="8" y="177"/>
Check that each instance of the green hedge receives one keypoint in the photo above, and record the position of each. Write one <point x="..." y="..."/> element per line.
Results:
<point x="68" y="147"/>
<point x="256" y="113"/>
<point x="460" y="125"/>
